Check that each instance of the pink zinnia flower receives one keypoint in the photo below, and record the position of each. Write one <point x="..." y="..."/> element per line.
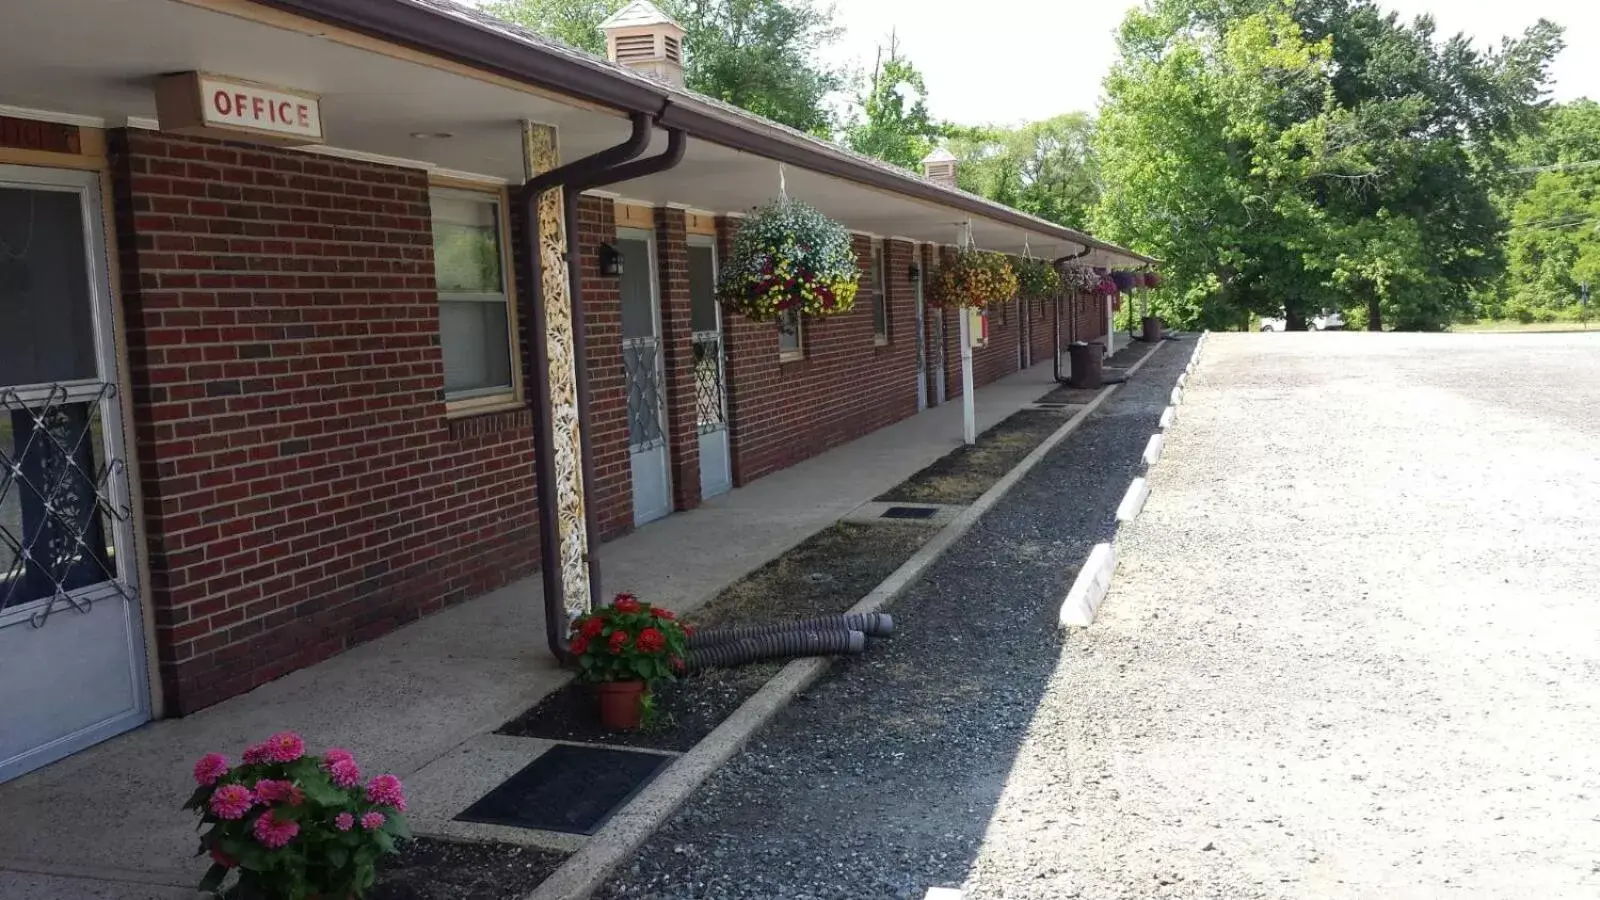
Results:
<point x="372" y="821"/>
<point x="334" y="755"/>
<point x="270" y="791"/>
<point x="274" y="833"/>
<point x="385" y="790"/>
<point x="285" y="747"/>
<point x="255" y="754"/>
<point x="231" y="801"/>
<point x="345" y="773"/>
<point x="210" y="768"/>
<point x="344" y="821"/>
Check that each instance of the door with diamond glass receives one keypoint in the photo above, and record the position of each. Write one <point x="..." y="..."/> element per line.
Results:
<point x="645" y="375"/>
<point x="710" y="384"/>
<point x="72" y="666"/>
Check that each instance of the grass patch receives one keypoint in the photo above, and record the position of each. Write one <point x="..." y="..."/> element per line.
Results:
<point x="1511" y="326"/>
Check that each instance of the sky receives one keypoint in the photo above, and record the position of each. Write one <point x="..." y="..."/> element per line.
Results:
<point x="1007" y="61"/>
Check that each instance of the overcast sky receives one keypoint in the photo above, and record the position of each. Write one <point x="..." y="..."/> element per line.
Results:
<point x="1012" y="60"/>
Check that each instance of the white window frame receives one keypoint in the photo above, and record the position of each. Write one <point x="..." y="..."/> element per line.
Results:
<point x="880" y="288"/>
<point x="497" y="396"/>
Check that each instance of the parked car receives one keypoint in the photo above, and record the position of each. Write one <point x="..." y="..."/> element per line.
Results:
<point x="1329" y="320"/>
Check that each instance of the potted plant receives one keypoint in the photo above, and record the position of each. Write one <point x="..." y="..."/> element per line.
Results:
<point x="786" y="257"/>
<point x="1037" y="279"/>
<point x="627" y="648"/>
<point x="293" y="826"/>
<point x="1124" y="280"/>
<point x="974" y="278"/>
<point x="1080" y="278"/>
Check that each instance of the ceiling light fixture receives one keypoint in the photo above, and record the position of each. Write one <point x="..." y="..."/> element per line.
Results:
<point x="432" y="135"/>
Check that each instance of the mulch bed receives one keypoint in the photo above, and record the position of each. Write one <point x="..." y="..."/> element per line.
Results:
<point x="962" y="475"/>
<point x="824" y="574"/>
<point x="430" y="869"/>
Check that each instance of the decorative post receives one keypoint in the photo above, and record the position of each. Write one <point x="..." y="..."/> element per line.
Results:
<point x="541" y="153"/>
<point x="969" y="410"/>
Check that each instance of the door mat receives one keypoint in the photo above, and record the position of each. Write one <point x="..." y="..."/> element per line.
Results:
<point x="569" y="789"/>
<point x="910" y="512"/>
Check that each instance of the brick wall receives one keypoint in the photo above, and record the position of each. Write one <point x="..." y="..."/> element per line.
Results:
<point x="303" y="488"/>
<point x="612" y="493"/>
<point x="845" y="387"/>
<point x="677" y="332"/>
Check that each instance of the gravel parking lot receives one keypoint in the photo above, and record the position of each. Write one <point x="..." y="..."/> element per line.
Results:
<point x="1352" y="651"/>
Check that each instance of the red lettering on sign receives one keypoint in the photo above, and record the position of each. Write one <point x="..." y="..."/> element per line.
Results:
<point x="304" y="115"/>
<point x="222" y="103"/>
<point x="239" y="101"/>
<point x="256" y="104"/>
<point x="280" y="113"/>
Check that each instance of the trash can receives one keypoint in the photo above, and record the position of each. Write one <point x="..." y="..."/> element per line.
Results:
<point x="1152" y="329"/>
<point x="1087" y="363"/>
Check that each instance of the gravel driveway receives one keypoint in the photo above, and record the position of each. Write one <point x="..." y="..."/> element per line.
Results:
<point x="1353" y="651"/>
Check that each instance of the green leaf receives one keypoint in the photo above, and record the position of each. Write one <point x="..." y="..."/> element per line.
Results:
<point x="398" y="826"/>
<point x="338" y="856"/>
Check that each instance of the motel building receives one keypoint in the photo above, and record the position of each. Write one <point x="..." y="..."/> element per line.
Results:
<point x="320" y="316"/>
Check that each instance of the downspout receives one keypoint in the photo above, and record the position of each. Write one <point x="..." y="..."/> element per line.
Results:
<point x="1055" y="361"/>
<point x="605" y="167"/>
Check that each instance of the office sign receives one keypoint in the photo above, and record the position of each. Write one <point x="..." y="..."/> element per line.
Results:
<point x="200" y="103"/>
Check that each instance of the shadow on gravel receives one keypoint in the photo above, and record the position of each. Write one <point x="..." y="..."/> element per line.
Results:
<point x="881" y="780"/>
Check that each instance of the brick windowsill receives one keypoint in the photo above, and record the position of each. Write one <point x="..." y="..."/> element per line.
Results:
<point x="494" y="421"/>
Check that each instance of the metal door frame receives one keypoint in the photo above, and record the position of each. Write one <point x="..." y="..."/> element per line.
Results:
<point x="922" y="329"/>
<point x="107" y="389"/>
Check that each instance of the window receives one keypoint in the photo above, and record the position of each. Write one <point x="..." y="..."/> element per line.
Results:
<point x="475" y="324"/>
<point x="880" y="298"/>
<point x="789" y="335"/>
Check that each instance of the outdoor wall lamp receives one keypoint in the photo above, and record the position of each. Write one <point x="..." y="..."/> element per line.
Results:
<point x="610" y="261"/>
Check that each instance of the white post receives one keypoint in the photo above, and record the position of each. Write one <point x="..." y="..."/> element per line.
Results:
<point x="969" y="411"/>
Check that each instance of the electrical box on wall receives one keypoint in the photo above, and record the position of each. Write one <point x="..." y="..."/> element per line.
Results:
<point x="978" y="327"/>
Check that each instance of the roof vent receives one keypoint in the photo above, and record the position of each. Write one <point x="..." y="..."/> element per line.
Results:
<point x="645" y="39"/>
<point x="939" y="167"/>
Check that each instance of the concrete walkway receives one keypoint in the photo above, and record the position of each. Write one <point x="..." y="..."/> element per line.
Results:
<point x="409" y="698"/>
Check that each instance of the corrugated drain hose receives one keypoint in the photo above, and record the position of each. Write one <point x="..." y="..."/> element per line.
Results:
<point x="870" y="624"/>
<point x="777" y="646"/>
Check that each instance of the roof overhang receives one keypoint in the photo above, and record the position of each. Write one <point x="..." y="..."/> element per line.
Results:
<point x="392" y="69"/>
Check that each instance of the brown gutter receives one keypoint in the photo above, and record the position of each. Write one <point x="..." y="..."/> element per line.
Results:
<point x="442" y="30"/>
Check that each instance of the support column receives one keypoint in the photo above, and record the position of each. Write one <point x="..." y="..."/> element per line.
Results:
<point x="541" y="153"/>
<point x="677" y="344"/>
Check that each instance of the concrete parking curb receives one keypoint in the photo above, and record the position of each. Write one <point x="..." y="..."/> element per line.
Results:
<point x="1169" y="417"/>
<point x="1133" y="500"/>
<point x="1089" y="589"/>
<point x="1152" y="450"/>
<point x="632" y="825"/>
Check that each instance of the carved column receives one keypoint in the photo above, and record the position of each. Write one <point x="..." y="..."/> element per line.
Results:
<point x="541" y="154"/>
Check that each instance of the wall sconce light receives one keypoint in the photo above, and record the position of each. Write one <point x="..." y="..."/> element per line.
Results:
<point x="610" y="261"/>
<point x="914" y="272"/>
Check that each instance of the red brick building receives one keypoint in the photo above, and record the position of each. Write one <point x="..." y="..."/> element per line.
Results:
<point x="288" y="362"/>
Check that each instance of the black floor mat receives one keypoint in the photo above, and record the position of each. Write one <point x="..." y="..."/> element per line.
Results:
<point x="568" y="789"/>
<point x="909" y="512"/>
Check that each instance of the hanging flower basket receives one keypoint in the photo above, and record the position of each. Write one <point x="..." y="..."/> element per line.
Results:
<point x="1124" y="280"/>
<point x="974" y="278"/>
<point x="788" y="256"/>
<point x="1105" y="287"/>
<point x="1152" y="280"/>
<point x="1080" y="278"/>
<point x="1037" y="279"/>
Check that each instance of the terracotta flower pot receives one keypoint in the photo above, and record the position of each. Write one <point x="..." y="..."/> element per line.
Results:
<point x="621" y="705"/>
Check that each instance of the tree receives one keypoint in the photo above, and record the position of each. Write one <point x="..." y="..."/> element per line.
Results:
<point x="1555" y="217"/>
<point x="1046" y="168"/>
<point x="759" y="55"/>
<point x="1313" y="153"/>
<point x="893" y="123"/>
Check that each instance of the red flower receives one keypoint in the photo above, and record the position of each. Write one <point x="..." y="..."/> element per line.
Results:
<point x="580" y="645"/>
<point x="688" y="630"/>
<point x="592" y="626"/>
<point x="619" y="642"/>
<point x="677" y="664"/>
<point x="651" y="641"/>
<point x="660" y="613"/>
<point x="625" y="603"/>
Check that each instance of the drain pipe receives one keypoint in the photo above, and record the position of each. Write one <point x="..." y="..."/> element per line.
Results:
<point x="574" y="177"/>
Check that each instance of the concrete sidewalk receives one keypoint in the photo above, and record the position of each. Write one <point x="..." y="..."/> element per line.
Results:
<point x="106" y="823"/>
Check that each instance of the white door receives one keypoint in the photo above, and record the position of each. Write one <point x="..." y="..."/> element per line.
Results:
<point x="710" y="381"/>
<point x="645" y="375"/>
<point x="922" y="342"/>
<point x="72" y="665"/>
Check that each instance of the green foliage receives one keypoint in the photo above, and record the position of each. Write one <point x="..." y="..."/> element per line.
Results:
<point x="1047" y="168"/>
<point x="1037" y="279"/>
<point x="1554" y="244"/>
<point x="759" y="55"/>
<point x="893" y="123"/>
<point x="1321" y="153"/>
